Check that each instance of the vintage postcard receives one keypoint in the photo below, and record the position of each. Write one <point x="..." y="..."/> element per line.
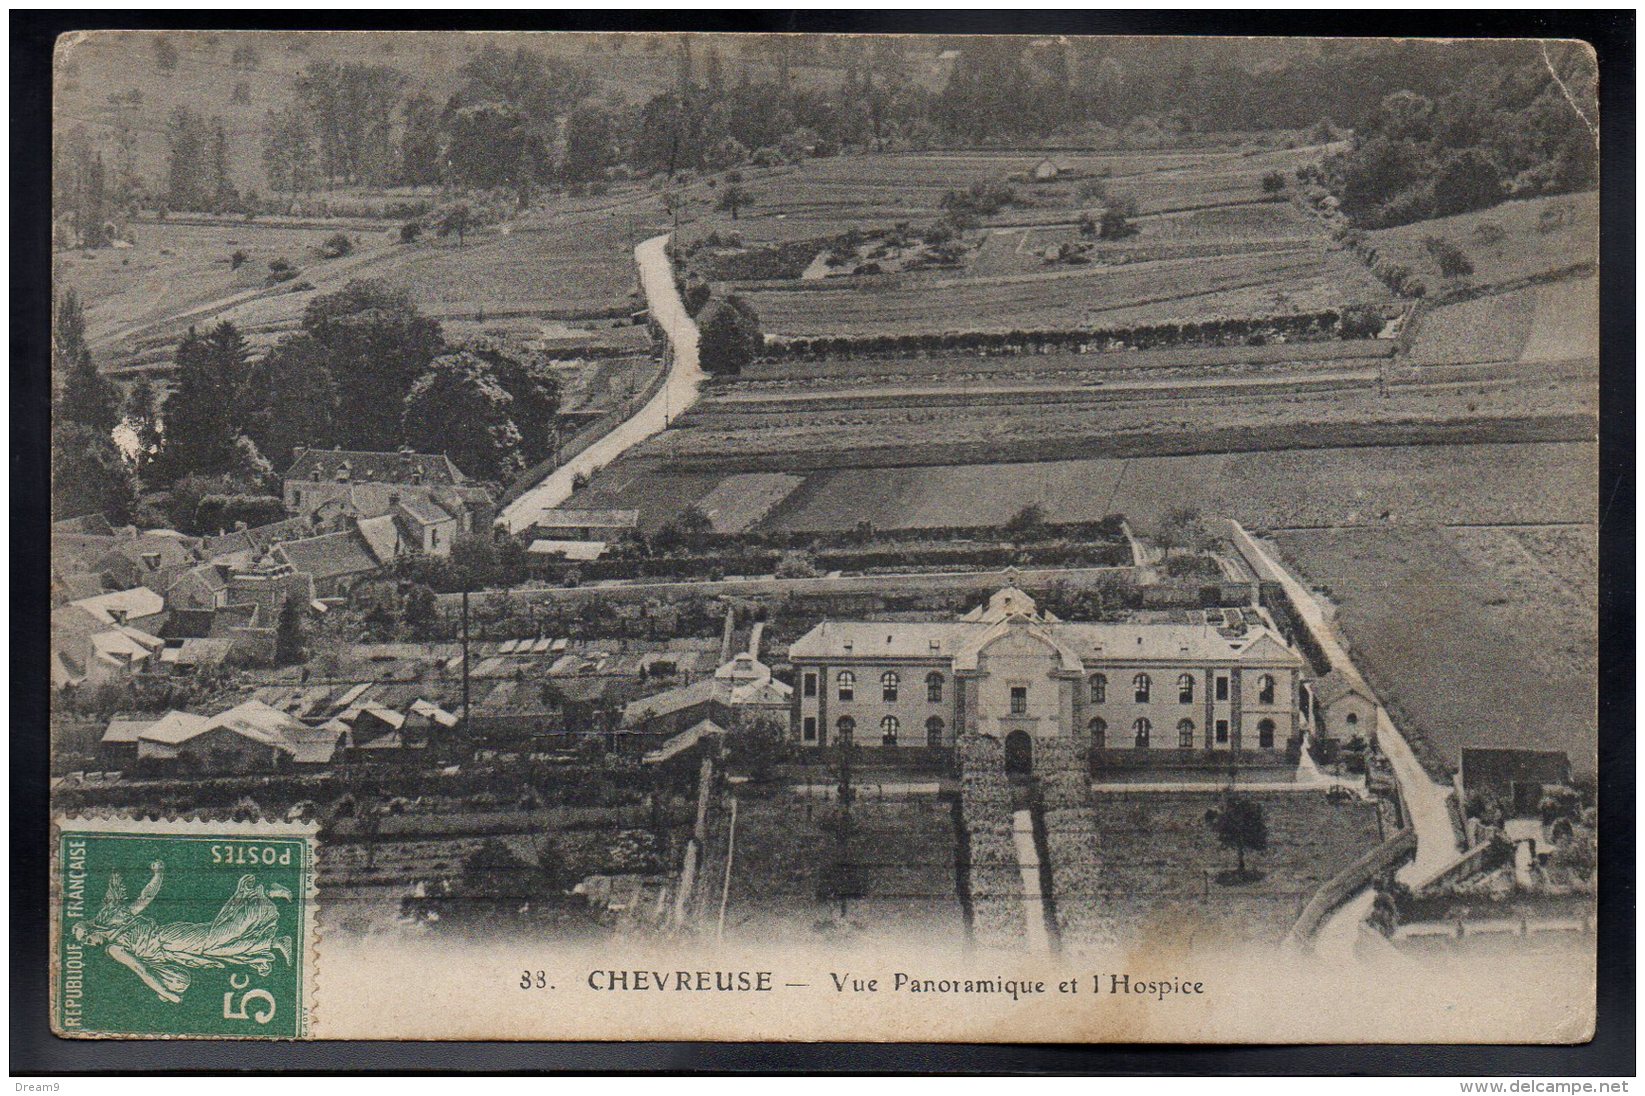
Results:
<point x="624" y="536"/>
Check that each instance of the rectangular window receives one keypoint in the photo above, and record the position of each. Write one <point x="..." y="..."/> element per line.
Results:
<point x="810" y="684"/>
<point x="296" y="497"/>
<point x="1222" y="730"/>
<point x="1222" y="688"/>
<point x="811" y="728"/>
<point x="1019" y="700"/>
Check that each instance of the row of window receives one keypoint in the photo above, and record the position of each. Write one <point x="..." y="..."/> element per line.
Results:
<point x="846" y="730"/>
<point x="890" y="686"/>
<point x="1142" y="687"/>
<point x="1142" y="732"/>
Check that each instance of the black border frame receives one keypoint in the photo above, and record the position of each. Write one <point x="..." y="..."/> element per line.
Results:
<point x="34" y="1051"/>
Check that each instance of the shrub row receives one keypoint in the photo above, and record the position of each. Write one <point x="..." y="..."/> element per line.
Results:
<point x="1253" y="330"/>
<point x="715" y="567"/>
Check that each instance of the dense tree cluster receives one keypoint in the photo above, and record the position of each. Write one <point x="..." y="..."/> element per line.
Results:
<point x="1514" y="131"/>
<point x="367" y="370"/>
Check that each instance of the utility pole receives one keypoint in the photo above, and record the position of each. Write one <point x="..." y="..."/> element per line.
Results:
<point x="466" y="727"/>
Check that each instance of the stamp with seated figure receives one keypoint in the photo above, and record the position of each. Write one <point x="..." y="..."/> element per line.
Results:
<point x="183" y="928"/>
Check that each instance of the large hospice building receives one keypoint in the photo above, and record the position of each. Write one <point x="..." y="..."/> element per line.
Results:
<point x="1009" y="670"/>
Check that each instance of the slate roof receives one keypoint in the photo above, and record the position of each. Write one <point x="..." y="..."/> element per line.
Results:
<point x="962" y="640"/>
<point x="554" y="518"/>
<point x="137" y="602"/>
<point x="256" y="540"/>
<point x="365" y="467"/>
<point x="1336" y="685"/>
<point x="333" y="555"/>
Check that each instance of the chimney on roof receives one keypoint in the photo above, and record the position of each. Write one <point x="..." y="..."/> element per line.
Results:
<point x="119" y="615"/>
<point x="240" y="527"/>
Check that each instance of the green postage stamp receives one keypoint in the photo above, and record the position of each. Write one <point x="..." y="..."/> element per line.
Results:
<point x="183" y="928"/>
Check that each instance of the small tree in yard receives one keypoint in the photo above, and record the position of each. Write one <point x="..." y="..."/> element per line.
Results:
<point x="759" y="748"/>
<point x="1273" y="182"/>
<point x="1239" y="825"/>
<point x="733" y="197"/>
<point x="1115" y="222"/>
<point x="288" y="635"/>
<point x="1182" y="527"/>
<point x="455" y="218"/>
<point x="336" y="246"/>
<point x="1027" y="520"/>
<point x="729" y="336"/>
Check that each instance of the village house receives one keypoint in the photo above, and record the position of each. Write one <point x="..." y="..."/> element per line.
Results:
<point x="1514" y="778"/>
<point x="1009" y="670"/>
<point x="420" y="502"/>
<point x="742" y="689"/>
<point x="250" y="737"/>
<point x="1343" y="707"/>
<point x="334" y="562"/>
<point x="587" y="525"/>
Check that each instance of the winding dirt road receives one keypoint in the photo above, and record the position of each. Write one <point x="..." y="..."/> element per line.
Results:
<point x="678" y="393"/>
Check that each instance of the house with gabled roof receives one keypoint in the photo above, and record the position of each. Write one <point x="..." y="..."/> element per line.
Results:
<point x="426" y="493"/>
<point x="333" y="561"/>
<point x="249" y="737"/>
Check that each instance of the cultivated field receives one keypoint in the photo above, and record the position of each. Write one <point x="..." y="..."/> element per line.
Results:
<point x="178" y="265"/>
<point x="1283" y="489"/>
<point x="569" y="261"/>
<point x="905" y="849"/>
<point x="738" y="503"/>
<point x="1177" y="290"/>
<point x="1477" y="637"/>
<point x="1514" y="240"/>
<point x="1553" y="322"/>
<point x="1156" y="884"/>
<point x="1276" y="489"/>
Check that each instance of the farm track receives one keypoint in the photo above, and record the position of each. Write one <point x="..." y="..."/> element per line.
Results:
<point x="676" y="395"/>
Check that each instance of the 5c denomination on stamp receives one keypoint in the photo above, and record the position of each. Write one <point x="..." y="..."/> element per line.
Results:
<point x="183" y="928"/>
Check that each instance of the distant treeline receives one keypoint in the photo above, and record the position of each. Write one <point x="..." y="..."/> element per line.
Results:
<point x="520" y="120"/>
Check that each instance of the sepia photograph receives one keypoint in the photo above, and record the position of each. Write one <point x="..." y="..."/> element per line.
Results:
<point x="955" y="538"/>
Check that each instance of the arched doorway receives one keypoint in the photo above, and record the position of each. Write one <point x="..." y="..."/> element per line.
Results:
<point x="1019" y="754"/>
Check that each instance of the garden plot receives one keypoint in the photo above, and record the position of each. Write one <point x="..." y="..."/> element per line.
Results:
<point x="905" y="851"/>
<point x="1156" y="884"/>
<point x="1465" y="650"/>
<point x="739" y="502"/>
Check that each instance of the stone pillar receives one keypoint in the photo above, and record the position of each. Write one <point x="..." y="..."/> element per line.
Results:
<point x="1211" y="709"/>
